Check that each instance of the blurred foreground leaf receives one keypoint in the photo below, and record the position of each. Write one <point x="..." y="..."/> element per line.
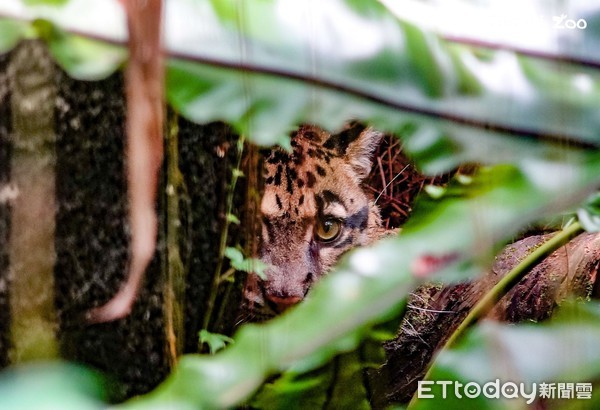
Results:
<point x="51" y="386"/>
<point x="564" y="349"/>
<point x="589" y="213"/>
<point x="11" y="32"/>
<point x="337" y="385"/>
<point x="81" y="57"/>
<point x="249" y="66"/>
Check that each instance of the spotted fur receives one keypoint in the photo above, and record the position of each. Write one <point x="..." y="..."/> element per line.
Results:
<point x="318" y="181"/>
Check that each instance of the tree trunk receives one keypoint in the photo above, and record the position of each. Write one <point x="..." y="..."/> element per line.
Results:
<point x="86" y="251"/>
<point x="5" y="189"/>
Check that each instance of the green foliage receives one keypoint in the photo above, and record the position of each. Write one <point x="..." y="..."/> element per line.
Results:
<point x="589" y="213"/>
<point x="239" y="262"/>
<point x="214" y="341"/>
<point x="426" y="60"/>
<point x="488" y="206"/>
<point x="231" y="218"/>
<point x="249" y="66"/>
<point x="563" y="349"/>
<point x="341" y="383"/>
<point x="45" y="2"/>
<point x="401" y="76"/>
<point x="337" y="385"/>
<point x="81" y="57"/>
<point x="51" y="386"/>
<point x="11" y="32"/>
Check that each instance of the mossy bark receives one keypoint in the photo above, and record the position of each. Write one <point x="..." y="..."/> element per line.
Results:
<point x="31" y="250"/>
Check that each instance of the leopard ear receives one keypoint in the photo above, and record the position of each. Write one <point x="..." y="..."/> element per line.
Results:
<point x="357" y="143"/>
<point x="360" y="151"/>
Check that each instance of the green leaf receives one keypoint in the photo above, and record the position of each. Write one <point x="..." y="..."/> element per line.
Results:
<point x="226" y="10"/>
<point x="341" y="383"/>
<point x="589" y="213"/>
<point x="51" y="386"/>
<point x="11" y="32"/>
<point x="425" y="61"/>
<point x="561" y="350"/>
<point x="204" y="94"/>
<point x="296" y="391"/>
<point x="434" y="191"/>
<point x="215" y="341"/>
<point x="348" y="389"/>
<point x="468" y="83"/>
<point x="235" y="256"/>
<point x="250" y="265"/>
<point x="81" y="57"/>
<point x="238" y="173"/>
<point x="45" y="2"/>
<point x="231" y="218"/>
<point x="489" y="206"/>
<point x="411" y="73"/>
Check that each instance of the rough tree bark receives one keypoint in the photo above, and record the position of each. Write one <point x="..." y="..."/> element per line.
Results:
<point x="91" y="237"/>
<point x="435" y="311"/>
<point x="5" y="150"/>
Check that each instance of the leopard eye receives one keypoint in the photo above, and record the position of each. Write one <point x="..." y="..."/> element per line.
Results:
<point x="327" y="230"/>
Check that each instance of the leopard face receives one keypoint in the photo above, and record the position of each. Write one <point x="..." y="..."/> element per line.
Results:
<point x="314" y="209"/>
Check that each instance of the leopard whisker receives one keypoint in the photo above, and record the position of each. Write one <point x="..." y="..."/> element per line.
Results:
<point x="390" y="183"/>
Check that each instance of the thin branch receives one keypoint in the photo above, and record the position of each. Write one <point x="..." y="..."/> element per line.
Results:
<point x="539" y="55"/>
<point x="535" y="135"/>
<point x="217" y="276"/>
<point x="174" y="285"/>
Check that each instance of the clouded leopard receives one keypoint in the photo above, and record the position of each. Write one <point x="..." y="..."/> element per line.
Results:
<point x="313" y="210"/>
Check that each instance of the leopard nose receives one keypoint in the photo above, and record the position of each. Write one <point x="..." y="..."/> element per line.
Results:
<point x="282" y="303"/>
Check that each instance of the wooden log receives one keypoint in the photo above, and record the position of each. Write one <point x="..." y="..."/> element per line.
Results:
<point x="435" y="311"/>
